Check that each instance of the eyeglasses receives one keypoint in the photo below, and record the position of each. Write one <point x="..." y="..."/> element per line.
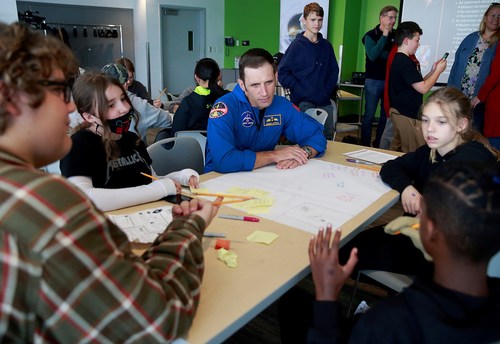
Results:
<point x="65" y="87"/>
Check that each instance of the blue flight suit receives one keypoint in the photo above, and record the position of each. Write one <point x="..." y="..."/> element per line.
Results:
<point x="236" y="133"/>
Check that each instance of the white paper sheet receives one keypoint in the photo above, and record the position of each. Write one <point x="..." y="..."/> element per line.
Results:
<point x="371" y="156"/>
<point x="309" y="196"/>
<point x="144" y="226"/>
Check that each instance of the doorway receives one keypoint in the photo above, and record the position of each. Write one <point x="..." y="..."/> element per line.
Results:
<point x="183" y="43"/>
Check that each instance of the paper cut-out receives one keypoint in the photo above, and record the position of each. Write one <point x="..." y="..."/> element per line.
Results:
<point x="227" y="257"/>
<point x="221" y="243"/>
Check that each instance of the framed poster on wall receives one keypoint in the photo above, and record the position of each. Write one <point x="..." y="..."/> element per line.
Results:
<point x="291" y="20"/>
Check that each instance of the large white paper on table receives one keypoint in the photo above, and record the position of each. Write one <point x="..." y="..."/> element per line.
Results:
<point x="311" y="195"/>
<point x="145" y="225"/>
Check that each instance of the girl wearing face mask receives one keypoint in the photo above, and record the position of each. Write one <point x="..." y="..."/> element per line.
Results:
<point x="106" y="160"/>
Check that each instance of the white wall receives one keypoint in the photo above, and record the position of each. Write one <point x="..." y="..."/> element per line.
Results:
<point x="8" y="11"/>
<point x="147" y="29"/>
<point x="214" y="38"/>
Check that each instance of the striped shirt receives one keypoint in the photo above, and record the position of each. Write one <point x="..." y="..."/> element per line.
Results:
<point x="68" y="275"/>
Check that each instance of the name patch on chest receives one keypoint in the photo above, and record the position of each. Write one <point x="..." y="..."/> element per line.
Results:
<point x="272" y="120"/>
<point x="247" y="119"/>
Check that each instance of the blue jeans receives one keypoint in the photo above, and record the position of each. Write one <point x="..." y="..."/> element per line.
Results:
<point x="374" y="91"/>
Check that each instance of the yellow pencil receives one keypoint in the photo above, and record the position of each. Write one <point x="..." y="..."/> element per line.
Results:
<point x="149" y="176"/>
<point x="369" y="167"/>
<point x="222" y="195"/>
<point x="161" y="93"/>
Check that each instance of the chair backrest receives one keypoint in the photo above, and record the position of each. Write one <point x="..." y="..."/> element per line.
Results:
<point x="396" y="282"/>
<point x="494" y="266"/>
<point x="175" y="154"/>
<point x="318" y="114"/>
<point x="199" y="135"/>
<point x="164" y="133"/>
<point x="230" y="86"/>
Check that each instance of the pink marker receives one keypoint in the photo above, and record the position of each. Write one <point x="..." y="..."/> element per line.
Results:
<point x="240" y="218"/>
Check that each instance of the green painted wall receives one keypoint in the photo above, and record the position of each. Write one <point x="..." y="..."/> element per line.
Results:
<point x="258" y="22"/>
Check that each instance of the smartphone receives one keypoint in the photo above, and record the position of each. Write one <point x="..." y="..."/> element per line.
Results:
<point x="445" y="56"/>
<point x="176" y="199"/>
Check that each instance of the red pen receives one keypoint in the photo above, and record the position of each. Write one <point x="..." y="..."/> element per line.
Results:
<point x="240" y="218"/>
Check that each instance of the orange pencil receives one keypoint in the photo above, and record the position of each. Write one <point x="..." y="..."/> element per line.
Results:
<point x="231" y="201"/>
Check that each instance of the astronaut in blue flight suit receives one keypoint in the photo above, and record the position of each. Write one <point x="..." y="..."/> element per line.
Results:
<point x="245" y="125"/>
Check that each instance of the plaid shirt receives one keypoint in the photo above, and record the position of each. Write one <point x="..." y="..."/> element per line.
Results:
<point x="68" y="275"/>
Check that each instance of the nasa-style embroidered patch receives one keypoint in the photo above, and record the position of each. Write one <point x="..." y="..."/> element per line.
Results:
<point x="272" y="120"/>
<point x="247" y="119"/>
<point x="218" y="110"/>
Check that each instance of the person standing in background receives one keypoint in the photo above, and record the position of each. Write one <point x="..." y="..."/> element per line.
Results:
<point x="473" y="60"/>
<point x="378" y="43"/>
<point x="309" y="68"/>
<point x="407" y="87"/>
<point x="489" y="96"/>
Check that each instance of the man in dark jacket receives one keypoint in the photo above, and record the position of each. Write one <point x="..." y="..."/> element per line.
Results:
<point x="378" y="43"/>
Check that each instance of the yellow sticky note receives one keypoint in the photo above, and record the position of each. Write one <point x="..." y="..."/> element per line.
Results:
<point x="262" y="237"/>
<point x="260" y="205"/>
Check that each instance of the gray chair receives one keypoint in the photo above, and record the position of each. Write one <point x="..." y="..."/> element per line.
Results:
<point x="318" y="114"/>
<point x="494" y="266"/>
<point x="230" y="86"/>
<point x="176" y="153"/>
<point x="199" y="135"/>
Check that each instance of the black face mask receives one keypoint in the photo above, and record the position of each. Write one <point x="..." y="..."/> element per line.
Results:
<point x="121" y="124"/>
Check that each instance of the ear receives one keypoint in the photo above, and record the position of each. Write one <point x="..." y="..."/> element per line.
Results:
<point x="9" y="99"/>
<point x="90" y="118"/>
<point x="242" y="84"/>
<point x="462" y="124"/>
